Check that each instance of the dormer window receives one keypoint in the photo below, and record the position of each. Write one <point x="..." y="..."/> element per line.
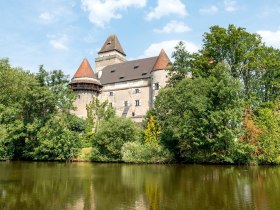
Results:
<point x="137" y="90"/>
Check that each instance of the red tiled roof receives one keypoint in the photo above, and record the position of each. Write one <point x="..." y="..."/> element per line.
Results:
<point x="84" y="70"/>
<point x="162" y="62"/>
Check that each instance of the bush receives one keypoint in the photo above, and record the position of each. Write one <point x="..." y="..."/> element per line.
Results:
<point x="135" y="152"/>
<point x="57" y="141"/>
<point x="110" y="137"/>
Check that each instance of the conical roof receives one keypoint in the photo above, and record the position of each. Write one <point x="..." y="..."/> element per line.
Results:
<point x="84" y="70"/>
<point x="112" y="43"/>
<point x="162" y="62"/>
<point x="85" y="74"/>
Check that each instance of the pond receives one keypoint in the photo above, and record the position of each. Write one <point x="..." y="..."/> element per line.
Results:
<point x="59" y="186"/>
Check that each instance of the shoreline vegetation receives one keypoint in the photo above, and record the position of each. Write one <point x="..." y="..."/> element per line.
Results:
<point x="221" y="106"/>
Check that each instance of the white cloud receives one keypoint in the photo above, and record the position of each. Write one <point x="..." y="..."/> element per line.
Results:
<point x="169" y="47"/>
<point x="59" y="43"/>
<point x="167" y="7"/>
<point x="60" y="13"/>
<point x="174" y="27"/>
<point x="46" y="17"/>
<point x="271" y="38"/>
<point x="230" y="5"/>
<point x="102" y="11"/>
<point x="210" y="10"/>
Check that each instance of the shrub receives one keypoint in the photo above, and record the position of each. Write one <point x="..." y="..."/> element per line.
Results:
<point x="110" y="137"/>
<point x="135" y="152"/>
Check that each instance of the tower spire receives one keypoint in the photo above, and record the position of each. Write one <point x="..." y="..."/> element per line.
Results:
<point x="112" y="43"/>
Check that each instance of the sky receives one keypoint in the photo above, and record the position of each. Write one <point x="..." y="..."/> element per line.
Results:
<point x="59" y="34"/>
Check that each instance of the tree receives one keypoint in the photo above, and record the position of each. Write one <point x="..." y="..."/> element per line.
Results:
<point x="111" y="136"/>
<point x="202" y="116"/>
<point x="56" y="141"/>
<point x="181" y="66"/>
<point x="152" y="132"/>
<point x="27" y="103"/>
<point x="97" y="112"/>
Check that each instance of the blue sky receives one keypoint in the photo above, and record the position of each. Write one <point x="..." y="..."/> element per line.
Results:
<point x="60" y="33"/>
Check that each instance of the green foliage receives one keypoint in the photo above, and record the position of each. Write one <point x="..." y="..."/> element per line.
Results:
<point x="56" y="141"/>
<point x="181" y="66"/>
<point x="268" y="142"/>
<point x="111" y="136"/>
<point x="136" y="152"/>
<point x="152" y="132"/>
<point x="204" y="120"/>
<point x="27" y="103"/>
<point x="97" y="112"/>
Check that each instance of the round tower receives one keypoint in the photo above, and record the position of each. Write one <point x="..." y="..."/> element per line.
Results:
<point x="159" y="75"/>
<point x="86" y="86"/>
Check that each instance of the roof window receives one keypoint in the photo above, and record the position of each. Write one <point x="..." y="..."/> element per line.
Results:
<point x="144" y="73"/>
<point x="121" y="77"/>
<point x="112" y="71"/>
<point x="136" y="66"/>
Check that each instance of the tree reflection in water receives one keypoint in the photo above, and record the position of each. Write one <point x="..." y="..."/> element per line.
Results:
<point x="39" y="185"/>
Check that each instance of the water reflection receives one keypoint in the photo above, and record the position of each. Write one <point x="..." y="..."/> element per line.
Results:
<point x="35" y="185"/>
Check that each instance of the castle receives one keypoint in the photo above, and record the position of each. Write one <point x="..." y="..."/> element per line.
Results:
<point x="128" y="86"/>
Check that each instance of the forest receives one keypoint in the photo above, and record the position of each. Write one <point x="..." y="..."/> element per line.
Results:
<point x="221" y="106"/>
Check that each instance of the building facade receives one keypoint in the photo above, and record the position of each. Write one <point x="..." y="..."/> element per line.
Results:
<point x="128" y="86"/>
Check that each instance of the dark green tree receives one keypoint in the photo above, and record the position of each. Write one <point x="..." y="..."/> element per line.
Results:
<point x="202" y="117"/>
<point x="111" y="136"/>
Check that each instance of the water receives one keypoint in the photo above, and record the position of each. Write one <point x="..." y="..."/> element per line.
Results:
<point x="59" y="186"/>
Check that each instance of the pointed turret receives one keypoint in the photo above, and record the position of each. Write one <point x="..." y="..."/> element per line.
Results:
<point x="112" y="44"/>
<point x="84" y="70"/>
<point x="163" y="61"/>
<point x="84" y="78"/>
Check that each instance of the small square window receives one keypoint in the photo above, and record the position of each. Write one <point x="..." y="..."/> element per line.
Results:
<point x="111" y="93"/>
<point x="133" y="114"/>
<point x="125" y="103"/>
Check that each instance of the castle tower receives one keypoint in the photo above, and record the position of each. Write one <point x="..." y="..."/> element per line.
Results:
<point x="159" y="74"/>
<point x="110" y="53"/>
<point x="85" y="84"/>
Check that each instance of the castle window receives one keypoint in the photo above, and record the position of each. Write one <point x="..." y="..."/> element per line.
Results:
<point x="137" y="90"/>
<point x="137" y="103"/>
<point x="111" y="93"/>
<point x="133" y="114"/>
<point x="125" y="103"/>
<point x="156" y="86"/>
